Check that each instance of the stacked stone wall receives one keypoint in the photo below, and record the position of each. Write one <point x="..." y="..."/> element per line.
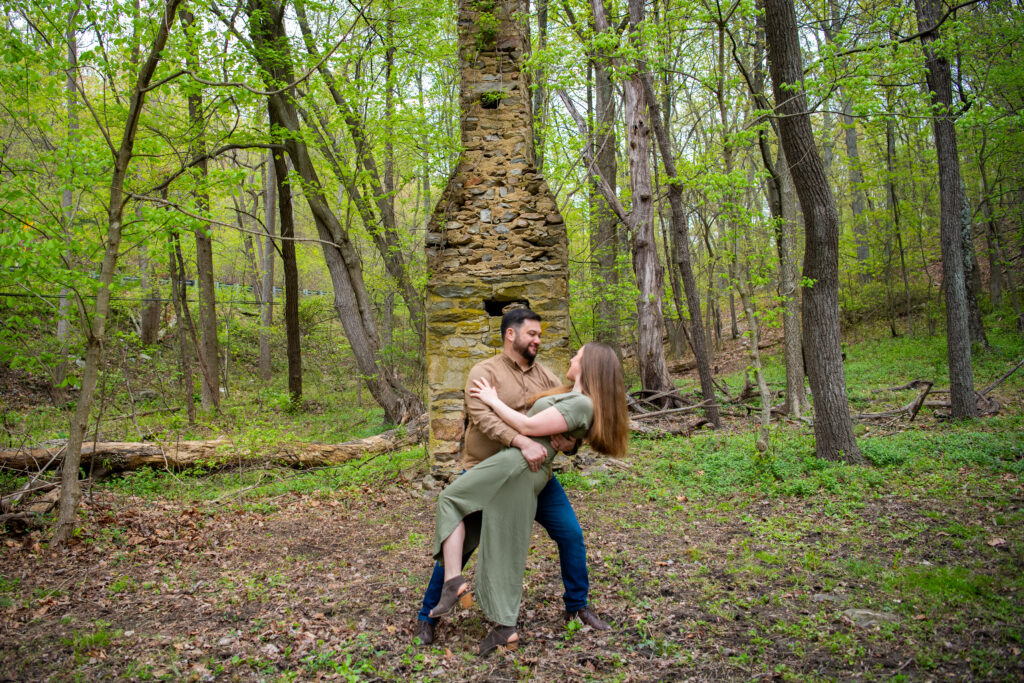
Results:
<point x="496" y="237"/>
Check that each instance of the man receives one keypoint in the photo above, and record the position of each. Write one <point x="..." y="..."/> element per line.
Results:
<point x="516" y="376"/>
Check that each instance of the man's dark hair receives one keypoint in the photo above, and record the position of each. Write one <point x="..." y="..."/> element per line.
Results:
<point x="515" y="318"/>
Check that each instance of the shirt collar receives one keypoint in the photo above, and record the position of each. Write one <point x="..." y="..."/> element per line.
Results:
<point x="514" y="365"/>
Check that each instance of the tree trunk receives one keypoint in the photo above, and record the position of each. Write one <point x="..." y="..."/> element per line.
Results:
<point x="961" y="373"/>
<point x="604" y="240"/>
<point x="383" y="231"/>
<point x="267" y="254"/>
<point x="894" y="208"/>
<point x="856" y="178"/>
<point x="995" y="260"/>
<point x="997" y="257"/>
<point x="753" y="353"/>
<point x="293" y="350"/>
<point x="972" y="273"/>
<point x="833" y="428"/>
<point x="179" y="297"/>
<point x="209" y="348"/>
<point x="96" y="332"/>
<point x="797" y="402"/>
<point x="540" y="94"/>
<point x="680" y="233"/>
<point x="654" y="375"/>
<point x="782" y="205"/>
<point x="67" y="209"/>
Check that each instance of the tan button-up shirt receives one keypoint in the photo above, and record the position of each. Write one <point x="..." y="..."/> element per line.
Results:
<point x="486" y="433"/>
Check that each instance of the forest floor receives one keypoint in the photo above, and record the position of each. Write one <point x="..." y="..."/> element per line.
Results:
<point x="710" y="560"/>
<point x="913" y="573"/>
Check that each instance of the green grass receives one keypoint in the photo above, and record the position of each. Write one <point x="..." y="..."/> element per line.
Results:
<point x="270" y="482"/>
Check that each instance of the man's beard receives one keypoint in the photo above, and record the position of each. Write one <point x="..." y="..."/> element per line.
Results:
<point x="524" y="349"/>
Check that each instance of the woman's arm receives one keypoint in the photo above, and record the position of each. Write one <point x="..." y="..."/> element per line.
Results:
<point x="545" y="423"/>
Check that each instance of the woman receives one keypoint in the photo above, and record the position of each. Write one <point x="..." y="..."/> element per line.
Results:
<point x="504" y="489"/>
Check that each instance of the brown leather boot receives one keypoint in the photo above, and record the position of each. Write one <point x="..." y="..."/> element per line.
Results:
<point x="589" y="618"/>
<point x="425" y="632"/>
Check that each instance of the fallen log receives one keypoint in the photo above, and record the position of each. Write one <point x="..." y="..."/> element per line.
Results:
<point x="117" y="456"/>
<point x="911" y="409"/>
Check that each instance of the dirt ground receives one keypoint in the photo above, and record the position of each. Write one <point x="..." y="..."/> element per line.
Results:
<point x="326" y="587"/>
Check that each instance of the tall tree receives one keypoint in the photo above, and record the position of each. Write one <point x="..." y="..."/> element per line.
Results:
<point x="833" y="428"/>
<point x="267" y="252"/>
<point x="208" y="350"/>
<point x="271" y="50"/>
<point x="784" y="214"/>
<point x="383" y="228"/>
<point x="654" y="375"/>
<point x="680" y="227"/>
<point x="67" y="200"/>
<point x="958" y="336"/>
<point x="96" y="324"/>
<point x="293" y="344"/>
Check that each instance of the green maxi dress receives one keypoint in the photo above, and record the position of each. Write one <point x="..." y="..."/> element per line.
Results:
<point x="504" y="490"/>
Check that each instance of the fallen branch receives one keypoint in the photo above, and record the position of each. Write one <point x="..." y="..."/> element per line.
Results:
<point x="120" y="456"/>
<point x="911" y="409"/>
<point x="673" y="411"/>
<point x="21" y="521"/>
<point x="1002" y="379"/>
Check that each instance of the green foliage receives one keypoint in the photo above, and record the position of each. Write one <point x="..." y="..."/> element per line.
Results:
<point x="96" y="638"/>
<point x="487" y="23"/>
<point x="491" y="98"/>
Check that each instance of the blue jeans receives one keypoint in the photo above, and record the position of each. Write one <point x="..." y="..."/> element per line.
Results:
<point x="555" y="514"/>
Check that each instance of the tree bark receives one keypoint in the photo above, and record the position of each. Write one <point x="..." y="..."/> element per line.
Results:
<point x="64" y="312"/>
<point x="181" y="316"/>
<point x="604" y="241"/>
<point x="267" y="253"/>
<point x="96" y="331"/>
<point x="540" y="93"/>
<point x="293" y="347"/>
<point x="654" y="375"/>
<point x="833" y="428"/>
<point x="961" y="373"/>
<point x="892" y="199"/>
<point x="753" y="352"/>
<point x="972" y="273"/>
<point x="857" y="194"/>
<point x="789" y="280"/>
<point x="681" y="253"/>
<point x="209" y="347"/>
<point x="680" y="228"/>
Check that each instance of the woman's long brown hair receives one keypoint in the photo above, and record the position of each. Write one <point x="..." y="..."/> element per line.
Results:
<point x="602" y="382"/>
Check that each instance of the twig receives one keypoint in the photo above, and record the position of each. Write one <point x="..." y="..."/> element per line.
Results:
<point x="8" y="502"/>
<point x="919" y="401"/>
<point x="1002" y="379"/>
<point x="32" y="519"/>
<point x="911" y="409"/>
<point x="676" y="411"/>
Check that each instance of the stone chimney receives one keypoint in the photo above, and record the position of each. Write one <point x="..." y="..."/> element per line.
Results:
<point x="496" y="238"/>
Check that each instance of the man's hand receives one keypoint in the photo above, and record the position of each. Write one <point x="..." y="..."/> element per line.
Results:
<point x="563" y="443"/>
<point x="533" y="452"/>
